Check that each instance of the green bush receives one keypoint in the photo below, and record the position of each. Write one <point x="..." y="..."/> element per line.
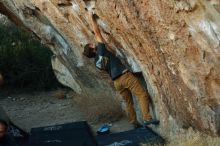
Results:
<point x="24" y="61"/>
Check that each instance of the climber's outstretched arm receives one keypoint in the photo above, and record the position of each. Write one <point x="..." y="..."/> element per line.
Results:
<point x="96" y="29"/>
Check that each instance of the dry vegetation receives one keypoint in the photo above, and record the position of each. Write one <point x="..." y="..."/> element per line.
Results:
<point x="195" y="140"/>
<point x="98" y="109"/>
<point x="59" y="93"/>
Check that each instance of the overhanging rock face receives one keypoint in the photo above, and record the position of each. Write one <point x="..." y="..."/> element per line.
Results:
<point x="175" y="43"/>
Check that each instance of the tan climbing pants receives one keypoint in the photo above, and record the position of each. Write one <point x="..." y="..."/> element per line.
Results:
<point x="127" y="84"/>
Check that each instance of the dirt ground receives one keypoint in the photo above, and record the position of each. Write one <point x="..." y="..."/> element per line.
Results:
<point x="36" y="109"/>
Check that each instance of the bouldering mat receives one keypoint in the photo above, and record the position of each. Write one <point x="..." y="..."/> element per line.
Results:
<point x="71" y="134"/>
<point x="130" y="138"/>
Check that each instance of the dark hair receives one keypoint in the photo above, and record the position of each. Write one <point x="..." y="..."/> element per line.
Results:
<point x="88" y="51"/>
<point x="4" y="123"/>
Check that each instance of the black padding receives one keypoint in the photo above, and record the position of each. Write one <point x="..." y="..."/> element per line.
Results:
<point x="72" y="134"/>
<point x="130" y="138"/>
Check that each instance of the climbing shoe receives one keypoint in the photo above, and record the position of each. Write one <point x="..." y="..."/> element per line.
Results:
<point x="151" y="121"/>
<point x="104" y="129"/>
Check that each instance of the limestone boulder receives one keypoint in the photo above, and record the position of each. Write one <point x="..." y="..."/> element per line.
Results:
<point x="174" y="43"/>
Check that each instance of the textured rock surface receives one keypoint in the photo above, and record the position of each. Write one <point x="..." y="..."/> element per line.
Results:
<point x="175" y="43"/>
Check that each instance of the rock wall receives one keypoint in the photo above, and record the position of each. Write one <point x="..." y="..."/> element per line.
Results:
<point x="175" y="43"/>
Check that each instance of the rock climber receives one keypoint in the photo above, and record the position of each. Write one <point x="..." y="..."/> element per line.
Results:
<point x="5" y="138"/>
<point x="124" y="81"/>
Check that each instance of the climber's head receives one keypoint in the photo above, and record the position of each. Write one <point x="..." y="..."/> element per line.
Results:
<point x="89" y="50"/>
<point x="3" y="128"/>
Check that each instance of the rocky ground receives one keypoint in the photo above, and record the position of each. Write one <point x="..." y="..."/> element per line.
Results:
<point x="36" y="109"/>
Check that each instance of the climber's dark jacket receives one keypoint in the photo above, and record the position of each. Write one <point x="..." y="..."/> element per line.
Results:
<point x="7" y="140"/>
<point x="105" y="60"/>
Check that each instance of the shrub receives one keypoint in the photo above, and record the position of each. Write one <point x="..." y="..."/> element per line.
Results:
<point x="24" y="61"/>
<point x="59" y="93"/>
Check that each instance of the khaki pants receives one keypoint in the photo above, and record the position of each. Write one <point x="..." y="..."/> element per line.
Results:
<point x="127" y="84"/>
